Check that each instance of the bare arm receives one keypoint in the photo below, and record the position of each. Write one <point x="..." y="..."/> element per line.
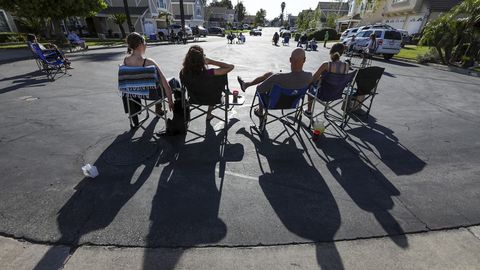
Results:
<point x="318" y="73"/>
<point x="165" y="84"/>
<point x="223" y="69"/>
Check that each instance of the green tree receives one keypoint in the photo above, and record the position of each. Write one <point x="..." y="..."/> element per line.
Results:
<point x="119" y="19"/>
<point x="241" y="11"/>
<point x="331" y="21"/>
<point x="53" y="9"/>
<point x="222" y="3"/>
<point x="440" y="33"/>
<point x="469" y="10"/>
<point x="260" y="17"/>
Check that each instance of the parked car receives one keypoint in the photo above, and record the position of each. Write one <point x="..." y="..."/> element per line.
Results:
<point x="200" y="30"/>
<point x="375" y="26"/>
<point x="348" y="33"/>
<point x="163" y="33"/>
<point x="256" y="32"/>
<point x="388" y="41"/>
<point x="246" y="26"/>
<point x="216" y="31"/>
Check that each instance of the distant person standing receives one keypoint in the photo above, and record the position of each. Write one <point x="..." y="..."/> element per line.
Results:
<point x="325" y="39"/>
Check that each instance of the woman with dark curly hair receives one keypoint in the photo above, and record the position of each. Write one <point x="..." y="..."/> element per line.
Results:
<point x="196" y="65"/>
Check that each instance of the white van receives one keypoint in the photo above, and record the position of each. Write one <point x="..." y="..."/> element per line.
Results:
<point x="389" y="42"/>
<point x="347" y="34"/>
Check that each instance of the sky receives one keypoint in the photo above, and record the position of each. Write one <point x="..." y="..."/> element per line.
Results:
<point x="273" y="6"/>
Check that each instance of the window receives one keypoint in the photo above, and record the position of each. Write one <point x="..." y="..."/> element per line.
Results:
<point x="161" y="4"/>
<point x="367" y="33"/>
<point x="393" y="35"/>
<point x="378" y="34"/>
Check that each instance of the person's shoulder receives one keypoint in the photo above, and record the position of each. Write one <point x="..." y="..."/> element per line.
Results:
<point x="150" y="62"/>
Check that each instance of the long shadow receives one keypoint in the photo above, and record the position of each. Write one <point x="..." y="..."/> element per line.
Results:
<point x="391" y="152"/>
<point x="185" y="208"/>
<point x="96" y="202"/>
<point x="96" y="57"/>
<point x="395" y="62"/>
<point x="31" y="79"/>
<point x="368" y="188"/>
<point x="299" y="196"/>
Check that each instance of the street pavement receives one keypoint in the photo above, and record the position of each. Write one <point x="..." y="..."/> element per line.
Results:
<point x="413" y="168"/>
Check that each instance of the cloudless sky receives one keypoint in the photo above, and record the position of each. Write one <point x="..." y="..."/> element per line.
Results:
<point x="273" y="6"/>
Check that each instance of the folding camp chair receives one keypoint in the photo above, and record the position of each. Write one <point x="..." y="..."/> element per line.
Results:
<point x="286" y="41"/>
<point x="330" y="93"/>
<point x="364" y="90"/>
<point x="137" y="84"/>
<point x="49" y="62"/>
<point x="279" y="99"/>
<point x="205" y="90"/>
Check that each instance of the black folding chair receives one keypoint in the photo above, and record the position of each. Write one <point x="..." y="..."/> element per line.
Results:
<point x="331" y="92"/>
<point x="205" y="90"/>
<point x="364" y="90"/>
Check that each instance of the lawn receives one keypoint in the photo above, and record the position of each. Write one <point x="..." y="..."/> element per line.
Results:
<point x="105" y="42"/>
<point x="410" y="52"/>
<point x="13" y="46"/>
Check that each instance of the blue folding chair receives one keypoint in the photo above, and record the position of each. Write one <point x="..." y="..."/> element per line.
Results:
<point x="279" y="99"/>
<point x="49" y="62"/>
<point x="332" y="90"/>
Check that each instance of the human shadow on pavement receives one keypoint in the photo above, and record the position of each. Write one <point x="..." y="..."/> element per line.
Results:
<point x="31" y="79"/>
<point x="97" y="57"/>
<point x="299" y="195"/>
<point x="390" y="151"/>
<point x="96" y="202"/>
<point x="366" y="186"/>
<point x="186" y="205"/>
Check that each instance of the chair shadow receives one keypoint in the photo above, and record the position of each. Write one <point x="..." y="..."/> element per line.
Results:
<point x="299" y="196"/>
<point x="30" y="79"/>
<point x="186" y="205"/>
<point x="96" y="202"/>
<point x="391" y="152"/>
<point x="366" y="186"/>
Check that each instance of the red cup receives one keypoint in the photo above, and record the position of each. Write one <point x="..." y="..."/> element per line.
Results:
<point x="316" y="135"/>
<point x="235" y="93"/>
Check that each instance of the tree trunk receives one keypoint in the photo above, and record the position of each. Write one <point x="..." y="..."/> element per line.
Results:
<point x="120" y="25"/>
<point x="440" y="54"/>
<point x="59" y="35"/>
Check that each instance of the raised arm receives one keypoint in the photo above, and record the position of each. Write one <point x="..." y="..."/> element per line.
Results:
<point x="223" y="69"/>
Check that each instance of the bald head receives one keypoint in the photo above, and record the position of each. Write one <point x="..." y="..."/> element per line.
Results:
<point x="297" y="59"/>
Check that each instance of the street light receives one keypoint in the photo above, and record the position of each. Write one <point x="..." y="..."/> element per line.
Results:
<point x="127" y="13"/>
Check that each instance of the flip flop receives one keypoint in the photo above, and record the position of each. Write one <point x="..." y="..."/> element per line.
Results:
<point x="242" y="83"/>
<point x="257" y="113"/>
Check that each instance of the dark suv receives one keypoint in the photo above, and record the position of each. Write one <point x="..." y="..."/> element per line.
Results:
<point x="216" y="31"/>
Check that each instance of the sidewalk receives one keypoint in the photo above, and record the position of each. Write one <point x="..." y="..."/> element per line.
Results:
<point x="448" y="249"/>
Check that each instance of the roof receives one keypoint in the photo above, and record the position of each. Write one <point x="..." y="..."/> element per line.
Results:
<point x="333" y="5"/>
<point x="134" y="11"/>
<point x="443" y="5"/>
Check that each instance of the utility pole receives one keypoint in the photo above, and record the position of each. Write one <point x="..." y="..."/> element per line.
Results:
<point x="182" y="22"/>
<point x="127" y="13"/>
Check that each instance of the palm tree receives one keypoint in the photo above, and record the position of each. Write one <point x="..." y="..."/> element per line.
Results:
<point x="441" y="34"/>
<point x="119" y="19"/>
<point x="282" y="6"/>
<point x="471" y="8"/>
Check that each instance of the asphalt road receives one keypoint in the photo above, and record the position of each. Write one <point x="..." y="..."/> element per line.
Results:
<point x="413" y="168"/>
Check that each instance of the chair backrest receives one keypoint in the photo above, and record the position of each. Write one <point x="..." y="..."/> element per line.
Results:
<point x="37" y="51"/>
<point x="137" y="81"/>
<point x="332" y="85"/>
<point x="204" y="89"/>
<point x="367" y="80"/>
<point x="281" y="98"/>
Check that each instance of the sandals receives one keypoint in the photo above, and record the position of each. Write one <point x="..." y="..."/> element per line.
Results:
<point x="242" y="83"/>
<point x="257" y="113"/>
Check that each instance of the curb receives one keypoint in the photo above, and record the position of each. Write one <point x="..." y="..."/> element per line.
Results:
<point x="443" y="67"/>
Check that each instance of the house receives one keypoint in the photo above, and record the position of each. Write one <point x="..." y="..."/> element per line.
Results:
<point x="220" y="16"/>
<point x="192" y="9"/>
<point x="327" y="9"/>
<point x="7" y="23"/>
<point x="148" y="16"/>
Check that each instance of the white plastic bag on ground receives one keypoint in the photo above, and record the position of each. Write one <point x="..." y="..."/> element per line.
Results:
<point x="90" y="171"/>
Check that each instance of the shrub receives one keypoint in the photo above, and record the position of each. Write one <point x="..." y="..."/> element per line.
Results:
<point x="320" y="34"/>
<point x="12" y="37"/>
<point x="430" y="57"/>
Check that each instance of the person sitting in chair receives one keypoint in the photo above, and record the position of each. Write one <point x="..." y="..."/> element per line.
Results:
<point x="136" y="58"/>
<point x="75" y="39"/>
<point x="296" y="79"/>
<point x="334" y="66"/>
<point x="49" y="48"/>
<point x="196" y="64"/>
<point x="241" y="38"/>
